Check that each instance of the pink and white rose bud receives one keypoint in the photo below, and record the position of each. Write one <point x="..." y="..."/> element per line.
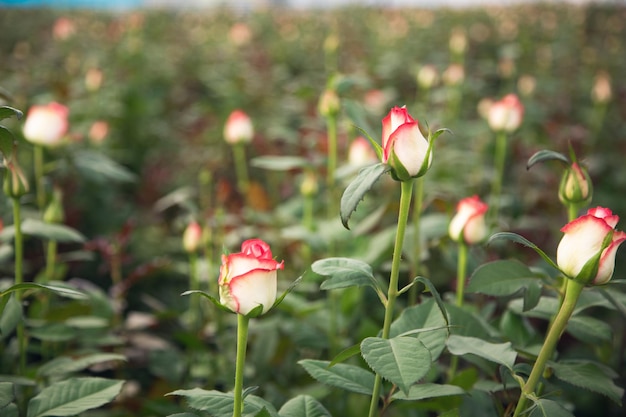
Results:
<point x="192" y="237"/>
<point x="405" y="149"/>
<point x="468" y="224"/>
<point x="587" y="250"/>
<point x="506" y="115"/>
<point x="46" y="124"/>
<point x="361" y="152"/>
<point x="248" y="279"/>
<point x="238" y="128"/>
<point x="427" y="76"/>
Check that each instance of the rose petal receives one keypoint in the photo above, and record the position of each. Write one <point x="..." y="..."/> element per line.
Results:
<point x="250" y="290"/>
<point x="410" y="147"/>
<point x="582" y="240"/>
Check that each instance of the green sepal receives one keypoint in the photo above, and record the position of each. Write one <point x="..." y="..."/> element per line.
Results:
<point x="589" y="271"/>
<point x="546" y="155"/>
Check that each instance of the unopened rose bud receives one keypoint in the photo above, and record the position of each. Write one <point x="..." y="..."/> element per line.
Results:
<point x="526" y="85"/>
<point x="46" y="125"/>
<point x="468" y="224"/>
<point x="93" y="79"/>
<point x="361" y="152"/>
<point x="192" y="237"/>
<point x="602" y="92"/>
<point x="329" y="105"/>
<point x="506" y="114"/>
<point x="458" y="41"/>
<point x="309" y="186"/>
<point x="238" y="128"/>
<point x="54" y="213"/>
<point x="427" y="77"/>
<point x="15" y="182"/>
<point x="98" y="131"/>
<point x="576" y="186"/>
<point x="453" y="75"/>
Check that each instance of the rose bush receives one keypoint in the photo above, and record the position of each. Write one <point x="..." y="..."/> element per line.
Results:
<point x="587" y="250"/>
<point x="248" y="278"/>
<point x="468" y="224"/>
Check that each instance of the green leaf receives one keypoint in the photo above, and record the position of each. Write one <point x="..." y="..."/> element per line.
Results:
<point x="303" y="406"/>
<point x="6" y="142"/>
<point x="220" y="404"/>
<point x="6" y="112"/>
<point x="423" y="316"/>
<point x="183" y="415"/>
<point x="37" y="228"/>
<point x="433" y="290"/>
<point x="73" y="396"/>
<point x="501" y="353"/>
<point x="377" y="148"/>
<point x="10" y="411"/>
<point x="67" y="364"/>
<point x="100" y="168"/>
<point x="522" y="240"/>
<point x="10" y="317"/>
<point x="401" y="360"/>
<point x="589" y="330"/>
<point x="590" y="376"/>
<point x="356" y="190"/>
<point x="501" y="278"/>
<point x="546" y="155"/>
<point x="532" y="295"/>
<point x="346" y="354"/>
<point x="280" y="163"/>
<point x="6" y="393"/>
<point x="293" y="285"/>
<point x="345" y="272"/>
<point x="214" y="300"/>
<point x="548" y="408"/>
<point x="348" y="377"/>
<point x="429" y="390"/>
<point x="61" y="289"/>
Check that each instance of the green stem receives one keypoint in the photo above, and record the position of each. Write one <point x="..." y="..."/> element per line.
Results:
<point x="331" y="165"/>
<point x="418" y="202"/>
<point x="39" y="186"/>
<point x="572" y="212"/>
<point x="392" y="294"/>
<point x="309" y="225"/>
<point x="19" y="278"/>
<point x="242" y="340"/>
<point x="194" y="284"/>
<point x="241" y="168"/>
<point x="51" y="258"/>
<point x="549" y="345"/>
<point x="461" y="273"/>
<point x="500" y="159"/>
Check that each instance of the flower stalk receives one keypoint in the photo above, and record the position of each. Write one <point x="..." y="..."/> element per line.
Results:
<point x="19" y="278"/>
<point x="418" y="202"/>
<point x="559" y="323"/>
<point x="500" y="159"/>
<point x="392" y="294"/>
<point x="241" y="168"/>
<point x="38" y="168"/>
<point x="242" y="340"/>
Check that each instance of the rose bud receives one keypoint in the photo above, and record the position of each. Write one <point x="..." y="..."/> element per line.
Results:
<point x="46" y="125"/>
<point x="405" y="149"/>
<point x="361" y="152"/>
<point x="238" y="128"/>
<point x="15" y="182"/>
<point x="587" y="250"/>
<point x="576" y="186"/>
<point x="506" y="114"/>
<point x="248" y="279"/>
<point x="192" y="237"/>
<point x="427" y="76"/>
<point x="468" y="224"/>
<point x="328" y="105"/>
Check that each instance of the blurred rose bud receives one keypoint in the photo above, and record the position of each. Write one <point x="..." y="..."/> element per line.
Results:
<point x="93" y="79"/>
<point x="248" y="279"/>
<point x="361" y="152"/>
<point x="458" y="41"/>
<point x="453" y="75"/>
<point x="238" y="128"/>
<point x="331" y="43"/>
<point x="192" y="237"/>
<point x="468" y="224"/>
<point x="309" y="186"/>
<point x="375" y="101"/>
<point x="46" y="124"/>
<point x="329" y="105"/>
<point x="586" y="252"/>
<point x="54" y="212"/>
<point x="506" y="114"/>
<point x="15" y="182"/>
<point x="526" y="85"/>
<point x="63" y="28"/>
<point x="240" y="34"/>
<point x="427" y="76"/>
<point x="483" y="107"/>
<point x="98" y="132"/>
<point x="601" y="91"/>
